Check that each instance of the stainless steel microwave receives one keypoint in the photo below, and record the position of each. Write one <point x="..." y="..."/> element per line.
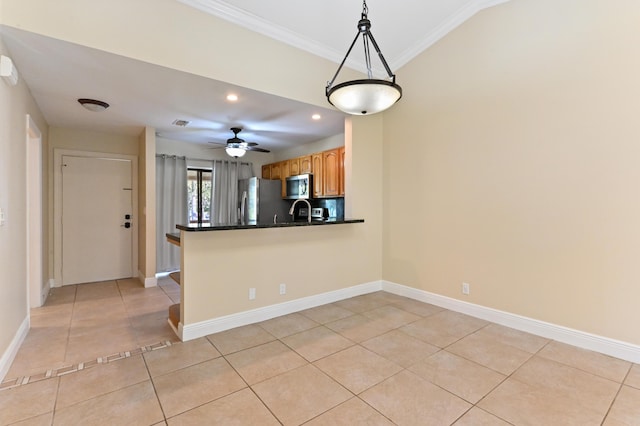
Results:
<point x="299" y="186"/>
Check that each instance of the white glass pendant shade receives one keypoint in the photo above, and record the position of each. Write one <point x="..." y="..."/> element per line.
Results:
<point x="360" y="97"/>
<point x="235" y="151"/>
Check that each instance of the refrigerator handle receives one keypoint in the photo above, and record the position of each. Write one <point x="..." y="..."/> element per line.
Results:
<point x="243" y="207"/>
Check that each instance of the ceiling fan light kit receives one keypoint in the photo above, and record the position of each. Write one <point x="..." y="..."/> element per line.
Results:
<point x="236" y="147"/>
<point x="235" y="151"/>
<point x="365" y="96"/>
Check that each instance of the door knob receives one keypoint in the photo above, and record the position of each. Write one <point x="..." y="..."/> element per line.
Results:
<point x="127" y="225"/>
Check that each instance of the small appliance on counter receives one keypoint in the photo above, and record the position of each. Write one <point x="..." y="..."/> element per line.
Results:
<point x="319" y="213"/>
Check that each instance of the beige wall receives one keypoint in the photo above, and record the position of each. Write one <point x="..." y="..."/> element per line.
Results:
<point x="147" y="205"/>
<point x="15" y="103"/>
<point x="87" y="140"/>
<point x="511" y="163"/>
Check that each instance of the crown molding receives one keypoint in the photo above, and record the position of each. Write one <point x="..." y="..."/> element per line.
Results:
<point x="255" y="23"/>
<point x="442" y="30"/>
<point x="252" y="22"/>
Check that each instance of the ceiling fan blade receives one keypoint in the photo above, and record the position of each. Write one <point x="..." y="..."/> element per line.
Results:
<point x="251" y="143"/>
<point x="253" y="148"/>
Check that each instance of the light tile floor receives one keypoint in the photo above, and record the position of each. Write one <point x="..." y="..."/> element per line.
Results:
<point x="377" y="359"/>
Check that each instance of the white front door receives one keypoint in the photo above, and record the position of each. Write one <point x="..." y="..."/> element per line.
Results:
<point x="96" y="199"/>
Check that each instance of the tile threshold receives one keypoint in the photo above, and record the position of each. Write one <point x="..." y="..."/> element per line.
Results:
<point x="73" y="368"/>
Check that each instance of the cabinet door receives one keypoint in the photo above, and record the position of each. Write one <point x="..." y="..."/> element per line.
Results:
<point x="316" y="162"/>
<point x="284" y="174"/>
<point x="266" y="171"/>
<point x="341" y="170"/>
<point x="331" y="174"/>
<point x="275" y="171"/>
<point x="305" y="165"/>
<point x="294" y="167"/>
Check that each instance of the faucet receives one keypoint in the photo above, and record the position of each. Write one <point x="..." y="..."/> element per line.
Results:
<point x="293" y="207"/>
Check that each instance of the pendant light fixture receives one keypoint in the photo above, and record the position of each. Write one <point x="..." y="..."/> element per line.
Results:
<point x="365" y="96"/>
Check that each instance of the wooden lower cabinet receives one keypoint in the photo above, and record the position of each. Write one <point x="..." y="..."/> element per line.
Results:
<point x="331" y="172"/>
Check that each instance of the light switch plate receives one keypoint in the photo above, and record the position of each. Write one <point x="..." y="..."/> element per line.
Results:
<point x="1" y="217"/>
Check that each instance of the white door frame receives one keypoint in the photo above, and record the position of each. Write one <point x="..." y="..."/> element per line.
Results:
<point x="57" y="205"/>
<point x="36" y="289"/>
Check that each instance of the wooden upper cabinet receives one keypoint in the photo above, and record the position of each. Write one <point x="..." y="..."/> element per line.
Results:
<point x="294" y="167"/>
<point x="305" y="165"/>
<point x="331" y="172"/>
<point x="266" y="171"/>
<point x="316" y="169"/>
<point x="327" y="168"/>
<point x="276" y="171"/>
<point x="341" y="170"/>
<point x="284" y="174"/>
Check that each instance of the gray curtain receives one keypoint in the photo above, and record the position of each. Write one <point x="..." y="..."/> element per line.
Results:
<point x="225" y="176"/>
<point x="171" y="208"/>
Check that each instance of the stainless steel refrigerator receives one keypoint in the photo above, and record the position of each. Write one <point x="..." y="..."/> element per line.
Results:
<point x="260" y="201"/>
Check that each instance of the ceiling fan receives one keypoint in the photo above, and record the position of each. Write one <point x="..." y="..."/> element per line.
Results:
<point x="237" y="147"/>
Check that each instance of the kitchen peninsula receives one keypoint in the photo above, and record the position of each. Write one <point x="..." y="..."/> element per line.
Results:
<point x="230" y="278"/>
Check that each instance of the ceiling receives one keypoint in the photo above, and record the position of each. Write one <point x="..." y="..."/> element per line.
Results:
<point x="143" y="94"/>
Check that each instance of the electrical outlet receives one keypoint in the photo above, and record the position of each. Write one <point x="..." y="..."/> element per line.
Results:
<point x="1" y="217"/>
<point x="283" y="289"/>
<point x="252" y="293"/>
<point x="465" y="288"/>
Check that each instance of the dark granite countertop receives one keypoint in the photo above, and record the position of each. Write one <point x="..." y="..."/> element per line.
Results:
<point x="226" y="227"/>
<point x="173" y="237"/>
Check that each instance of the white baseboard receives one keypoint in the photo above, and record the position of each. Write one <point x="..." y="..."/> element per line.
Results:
<point x="147" y="281"/>
<point x="604" y="345"/>
<point x="216" y="325"/>
<point x="45" y="291"/>
<point x="10" y="353"/>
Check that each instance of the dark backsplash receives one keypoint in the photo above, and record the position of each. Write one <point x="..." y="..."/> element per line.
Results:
<point x="334" y="205"/>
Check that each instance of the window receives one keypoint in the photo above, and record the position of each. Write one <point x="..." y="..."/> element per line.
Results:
<point x="199" y="192"/>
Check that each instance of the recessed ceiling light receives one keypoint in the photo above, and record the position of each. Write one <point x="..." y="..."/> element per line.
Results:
<point x="232" y="97"/>
<point x="316" y="116"/>
<point x="93" y="104"/>
<point x="181" y="123"/>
